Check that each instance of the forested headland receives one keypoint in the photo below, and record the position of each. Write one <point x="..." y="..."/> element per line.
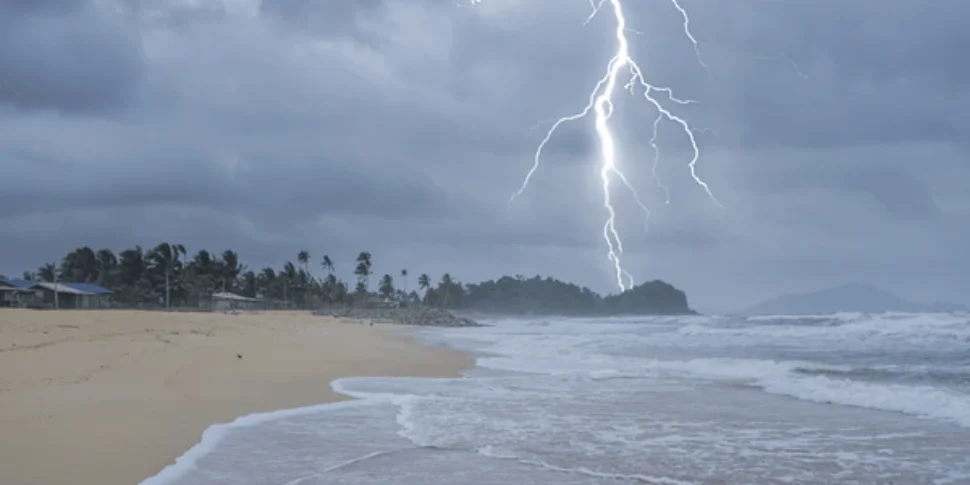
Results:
<point x="166" y="275"/>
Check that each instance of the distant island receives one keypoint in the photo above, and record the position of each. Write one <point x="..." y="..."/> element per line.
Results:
<point x="852" y="297"/>
<point x="166" y="276"/>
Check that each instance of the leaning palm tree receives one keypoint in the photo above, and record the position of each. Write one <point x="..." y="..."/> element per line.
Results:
<point x="177" y="251"/>
<point x="80" y="265"/>
<point x="327" y="264"/>
<point x="362" y="273"/>
<point x="291" y="279"/>
<point x="424" y="281"/>
<point x="304" y="258"/>
<point x="163" y="257"/>
<point x="107" y="265"/>
<point x="230" y="269"/>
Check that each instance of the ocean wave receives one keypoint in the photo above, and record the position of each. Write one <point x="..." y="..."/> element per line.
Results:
<point x="822" y="384"/>
<point x="909" y="328"/>
<point x="958" y="376"/>
<point x="845" y="384"/>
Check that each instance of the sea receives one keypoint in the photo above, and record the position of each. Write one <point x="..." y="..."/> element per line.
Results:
<point x="699" y="400"/>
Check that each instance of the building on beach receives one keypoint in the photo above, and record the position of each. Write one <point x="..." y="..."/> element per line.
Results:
<point x="224" y="300"/>
<point x="41" y="294"/>
<point x="12" y="295"/>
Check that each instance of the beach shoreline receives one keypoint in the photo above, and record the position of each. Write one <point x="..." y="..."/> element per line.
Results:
<point x="114" y="397"/>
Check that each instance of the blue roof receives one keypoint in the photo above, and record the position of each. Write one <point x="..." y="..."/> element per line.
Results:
<point x="88" y="288"/>
<point x="85" y="287"/>
<point x="19" y="283"/>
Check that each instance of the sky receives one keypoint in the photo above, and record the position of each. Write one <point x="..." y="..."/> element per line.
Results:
<point x="834" y="134"/>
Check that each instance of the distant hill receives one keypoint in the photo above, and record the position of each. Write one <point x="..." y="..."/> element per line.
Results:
<point x="549" y="296"/>
<point x="852" y="297"/>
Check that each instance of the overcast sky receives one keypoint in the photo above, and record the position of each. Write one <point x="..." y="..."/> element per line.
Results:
<point x="833" y="132"/>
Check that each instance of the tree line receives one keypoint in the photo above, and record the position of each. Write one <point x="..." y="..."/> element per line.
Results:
<point x="166" y="275"/>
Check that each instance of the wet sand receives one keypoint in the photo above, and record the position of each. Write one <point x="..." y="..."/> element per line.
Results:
<point x="112" y="397"/>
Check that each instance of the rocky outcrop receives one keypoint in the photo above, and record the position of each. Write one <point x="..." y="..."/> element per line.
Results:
<point x="417" y="316"/>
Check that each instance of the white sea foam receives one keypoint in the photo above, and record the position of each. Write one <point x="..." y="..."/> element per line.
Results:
<point x="214" y="435"/>
<point x="780" y="378"/>
<point x="913" y="328"/>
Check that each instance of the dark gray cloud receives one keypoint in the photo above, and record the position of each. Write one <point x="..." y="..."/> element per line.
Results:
<point x="402" y="127"/>
<point x="873" y="74"/>
<point x="321" y="17"/>
<point x="66" y="56"/>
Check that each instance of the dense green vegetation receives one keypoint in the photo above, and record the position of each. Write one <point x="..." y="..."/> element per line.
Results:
<point x="167" y="276"/>
<point x="539" y="295"/>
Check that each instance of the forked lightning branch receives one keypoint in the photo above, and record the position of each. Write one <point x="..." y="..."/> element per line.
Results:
<point x="623" y="73"/>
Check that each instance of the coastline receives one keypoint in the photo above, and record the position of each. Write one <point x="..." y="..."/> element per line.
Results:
<point x="114" y="397"/>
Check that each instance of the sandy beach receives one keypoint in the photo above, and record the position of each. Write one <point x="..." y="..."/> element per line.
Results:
<point x="112" y="397"/>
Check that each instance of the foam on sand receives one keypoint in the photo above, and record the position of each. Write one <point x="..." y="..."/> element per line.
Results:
<point x="155" y="381"/>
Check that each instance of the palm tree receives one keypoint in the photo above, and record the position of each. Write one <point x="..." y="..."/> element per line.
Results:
<point x="330" y="288"/>
<point x="290" y="278"/>
<point x="47" y="272"/>
<point x="250" y="284"/>
<point x="387" y="286"/>
<point x="163" y="257"/>
<point x="107" y="265"/>
<point x="268" y="282"/>
<point x="404" y="276"/>
<point x="339" y="292"/>
<point x="131" y="266"/>
<point x="304" y="258"/>
<point x="80" y="265"/>
<point x="446" y="287"/>
<point x="424" y="282"/>
<point x="327" y="264"/>
<point x="363" y="269"/>
<point x="179" y="264"/>
<point x="231" y="269"/>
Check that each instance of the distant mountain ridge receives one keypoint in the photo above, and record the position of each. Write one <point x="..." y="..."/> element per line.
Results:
<point x="851" y="297"/>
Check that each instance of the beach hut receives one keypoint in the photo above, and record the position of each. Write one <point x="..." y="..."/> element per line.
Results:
<point x="373" y="301"/>
<point x="224" y="300"/>
<point x="94" y="296"/>
<point x="17" y="293"/>
<point x="12" y="295"/>
<point x="68" y="295"/>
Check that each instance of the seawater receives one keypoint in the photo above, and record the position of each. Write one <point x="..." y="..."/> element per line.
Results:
<point x="836" y="399"/>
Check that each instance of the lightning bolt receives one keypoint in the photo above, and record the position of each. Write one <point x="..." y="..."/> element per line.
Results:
<point x="600" y="103"/>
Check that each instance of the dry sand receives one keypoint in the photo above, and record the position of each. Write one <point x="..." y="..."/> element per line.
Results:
<point x="112" y="397"/>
